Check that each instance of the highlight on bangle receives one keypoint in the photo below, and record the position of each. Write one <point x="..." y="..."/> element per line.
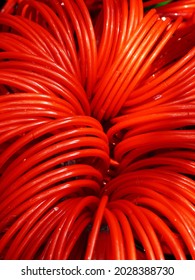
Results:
<point x="97" y="130"/>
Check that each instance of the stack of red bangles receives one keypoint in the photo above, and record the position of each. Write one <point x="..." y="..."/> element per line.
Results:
<point x="97" y="129"/>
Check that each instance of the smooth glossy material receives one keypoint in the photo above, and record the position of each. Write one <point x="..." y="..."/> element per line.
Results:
<point x="97" y="129"/>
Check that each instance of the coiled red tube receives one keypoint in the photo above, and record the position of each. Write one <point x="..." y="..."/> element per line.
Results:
<point x="97" y="129"/>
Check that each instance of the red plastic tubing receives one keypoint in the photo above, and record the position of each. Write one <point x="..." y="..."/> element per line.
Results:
<point x="97" y="129"/>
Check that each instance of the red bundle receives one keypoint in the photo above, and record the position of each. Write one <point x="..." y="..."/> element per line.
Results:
<point x="97" y="129"/>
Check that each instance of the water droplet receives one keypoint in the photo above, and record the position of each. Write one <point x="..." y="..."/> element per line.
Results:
<point x="158" y="96"/>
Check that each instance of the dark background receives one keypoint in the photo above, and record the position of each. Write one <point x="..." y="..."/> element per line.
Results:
<point x="2" y="3"/>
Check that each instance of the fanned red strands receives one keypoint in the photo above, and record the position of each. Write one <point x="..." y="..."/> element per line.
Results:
<point x="97" y="129"/>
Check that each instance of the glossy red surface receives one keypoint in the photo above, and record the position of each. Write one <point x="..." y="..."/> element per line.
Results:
<point x="97" y="129"/>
